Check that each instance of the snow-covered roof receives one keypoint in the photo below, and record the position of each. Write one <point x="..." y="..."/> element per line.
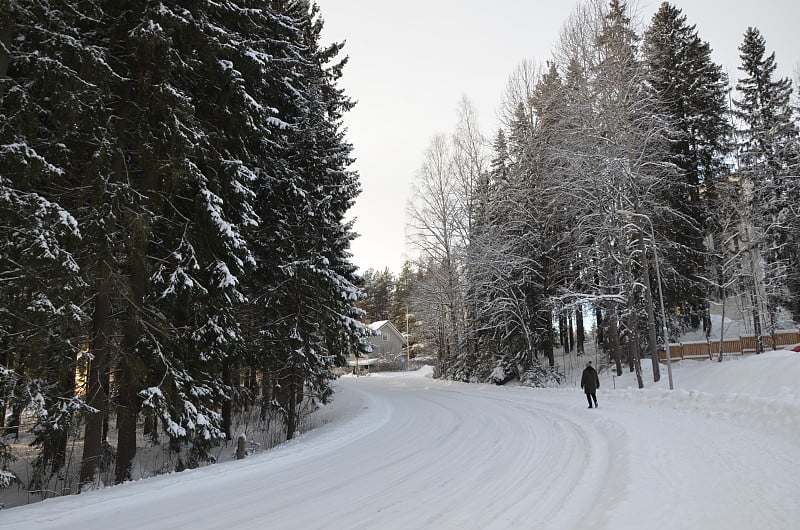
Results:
<point x="378" y="325"/>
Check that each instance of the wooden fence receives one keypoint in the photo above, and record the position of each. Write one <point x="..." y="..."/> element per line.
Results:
<point x="738" y="346"/>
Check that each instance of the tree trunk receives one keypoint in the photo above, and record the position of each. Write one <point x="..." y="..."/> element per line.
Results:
<point x="107" y="411"/>
<point x="61" y="436"/>
<point x="267" y="393"/>
<point x="3" y="362"/>
<point x="549" y="340"/>
<point x="6" y="31"/>
<point x="227" y="405"/>
<point x="131" y="366"/>
<point x="598" y="316"/>
<point x="648" y="297"/>
<point x="150" y="427"/>
<point x="632" y="323"/>
<point x="97" y="378"/>
<point x="756" y="324"/>
<point x="127" y="413"/>
<point x="251" y="386"/>
<point x="626" y="342"/>
<point x="633" y="350"/>
<point x="613" y="338"/>
<point x="291" y="407"/>
<point x="580" y="335"/>
<point x="722" y="330"/>
<point x="570" y="332"/>
<point x="755" y="298"/>
<point x="610" y="318"/>
<point x="17" y="408"/>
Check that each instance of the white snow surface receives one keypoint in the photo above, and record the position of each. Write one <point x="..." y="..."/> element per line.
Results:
<point x="404" y="451"/>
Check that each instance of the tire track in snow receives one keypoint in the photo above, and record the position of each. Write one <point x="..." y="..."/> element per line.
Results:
<point x="584" y="475"/>
<point x="420" y="453"/>
<point x="523" y="463"/>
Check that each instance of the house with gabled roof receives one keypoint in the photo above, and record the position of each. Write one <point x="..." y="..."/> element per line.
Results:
<point x="388" y="346"/>
<point x="387" y="341"/>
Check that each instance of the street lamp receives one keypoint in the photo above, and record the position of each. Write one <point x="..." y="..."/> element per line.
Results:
<point x="408" y="344"/>
<point x="660" y="293"/>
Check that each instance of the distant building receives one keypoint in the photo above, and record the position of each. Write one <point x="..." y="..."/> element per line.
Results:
<point x="388" y="346"/>
<point x="387" y="342"/>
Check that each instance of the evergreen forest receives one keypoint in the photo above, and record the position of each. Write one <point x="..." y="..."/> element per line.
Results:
<point x="173" y="245"/>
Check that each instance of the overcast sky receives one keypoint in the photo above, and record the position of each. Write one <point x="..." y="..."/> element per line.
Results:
<point x="412" y="61"/>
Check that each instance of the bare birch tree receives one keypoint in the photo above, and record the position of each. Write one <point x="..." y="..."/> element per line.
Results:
<point x="442" y="221"/>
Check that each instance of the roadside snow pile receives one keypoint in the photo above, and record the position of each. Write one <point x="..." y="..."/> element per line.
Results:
<point x="773" y="374"/>
<point x="758" y="390"/>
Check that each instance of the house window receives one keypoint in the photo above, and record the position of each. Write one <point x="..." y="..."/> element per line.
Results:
<point x="385" y="337"/>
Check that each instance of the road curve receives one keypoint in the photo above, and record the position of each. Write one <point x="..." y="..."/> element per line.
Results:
<point x="420" y="453"/>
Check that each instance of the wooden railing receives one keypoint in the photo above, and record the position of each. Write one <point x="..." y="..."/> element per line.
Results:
<point x="738" y="346"/>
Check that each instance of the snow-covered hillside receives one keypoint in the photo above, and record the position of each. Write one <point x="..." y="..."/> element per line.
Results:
<point x="407" y="451"/>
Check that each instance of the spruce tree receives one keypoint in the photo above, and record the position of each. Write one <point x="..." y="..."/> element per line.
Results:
<point x="178" y="189"/>
<point x="216" y="89"/>
<point x="508" y="251"/>
<point x="628" y="143"/>
<point x="52" y="103"/>
<point x="304" y="282"/>
<point x="767" y="151"/>
<point x="379" y="287"/>
<point x="693" y="94"/>
<point x="180" y="152"/>
<point x="402" y="309"/>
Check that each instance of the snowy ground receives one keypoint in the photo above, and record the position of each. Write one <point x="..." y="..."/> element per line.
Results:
<point x="407" y="451"/>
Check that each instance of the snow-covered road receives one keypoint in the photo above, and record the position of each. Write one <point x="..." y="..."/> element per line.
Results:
<point x="413" y="452"/>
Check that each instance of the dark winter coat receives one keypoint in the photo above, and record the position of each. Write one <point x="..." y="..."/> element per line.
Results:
<point x="589" y="380"/>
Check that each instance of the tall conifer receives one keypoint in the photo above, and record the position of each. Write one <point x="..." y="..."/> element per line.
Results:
<point x="693" y="94"/>
<point x="52" y="105"/>
<point x="767" y="151"/>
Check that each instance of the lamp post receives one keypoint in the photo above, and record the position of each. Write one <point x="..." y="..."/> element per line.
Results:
<point x="408" y="344"/>
<point x="661" y="302"/>
<point x="660" y="293"/>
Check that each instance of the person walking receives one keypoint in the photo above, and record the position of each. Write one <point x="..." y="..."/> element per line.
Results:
<point x="590" y="383"/>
